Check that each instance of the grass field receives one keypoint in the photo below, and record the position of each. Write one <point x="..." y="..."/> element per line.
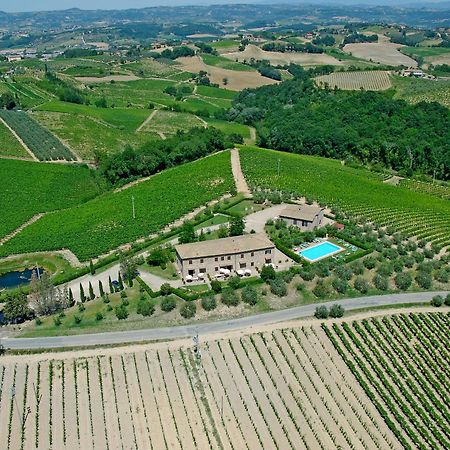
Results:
<point x="353" y="190"/>
<point x="369" y="81"/>
<point x="9" y="145"/>
<point x="30" y="188"/>
<point x="230" y="127"/>
<point x="402" y="364"/>
<point x="416" y="90"/>
<point x="169" y="122"/>
<point x="106" y="222"/>
<point x="224" y="63"/>
<point x="88" y="135"/>
<point x="383" y="53"/>
<point x="278" y="388"/>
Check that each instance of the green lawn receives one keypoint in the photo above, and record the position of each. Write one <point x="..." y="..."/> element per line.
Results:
<point x="245" y="208"/>
<point x="210" y="91"/>
<point x="9" y="145"/>
<point x="226" y="43"/>
<point x="105" y="223"/>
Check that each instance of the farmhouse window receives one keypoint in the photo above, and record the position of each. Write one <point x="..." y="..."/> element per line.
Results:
<point x="190" y="261"/>
<point x="201" y="260"/>
<point x="216" y="259"/>
<point x="305" y="223"/>
<point x="229" y="258"/>
<point x="252" y="264"/>
<point x="243" y="265"/>
<point x="222" y="258"/>
<point x="242" y="255"/>
<point x="268" y="252"/>
<point x="252" y="254"/>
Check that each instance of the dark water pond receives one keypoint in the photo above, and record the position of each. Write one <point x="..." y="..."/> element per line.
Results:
<point x="15" y="279"/>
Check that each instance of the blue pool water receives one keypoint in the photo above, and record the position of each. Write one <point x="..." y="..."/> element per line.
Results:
<point x="319" y="251"/>
<point x="16" y="279"/>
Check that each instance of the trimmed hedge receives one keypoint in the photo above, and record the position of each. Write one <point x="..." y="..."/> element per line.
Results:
<point x="147" y="288"/>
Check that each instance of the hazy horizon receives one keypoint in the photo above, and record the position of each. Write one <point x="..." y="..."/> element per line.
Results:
<point x="50" y="5"/>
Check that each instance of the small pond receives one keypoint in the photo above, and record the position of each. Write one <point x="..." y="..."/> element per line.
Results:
<point x="15" y="279"/>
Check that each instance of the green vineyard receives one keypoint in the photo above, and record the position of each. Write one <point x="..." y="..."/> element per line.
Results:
<point x="39" y="140"/>
<point x="106" y="222"/>
<point x="439" y="190"/>
<point x="30" y="188"/>
<point x="356" y="191"/>
<point x="402" y="362"/>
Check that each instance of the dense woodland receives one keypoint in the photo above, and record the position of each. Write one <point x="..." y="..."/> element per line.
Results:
<point x="369" y="127"/>
<point x="155" y="156"/>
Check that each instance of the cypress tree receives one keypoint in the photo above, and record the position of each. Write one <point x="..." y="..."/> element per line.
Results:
<point x="100" y="288"/>
<point x="121" y="287"/>
<point x="91" y="292"/>
<point x="71" y="299"/>
<point x="82" y="296"/>
<point x="111" y="287"/>
<point x="91" y="267"/>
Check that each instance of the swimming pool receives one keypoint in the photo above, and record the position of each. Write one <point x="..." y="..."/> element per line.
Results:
<point x="320" y="251"/>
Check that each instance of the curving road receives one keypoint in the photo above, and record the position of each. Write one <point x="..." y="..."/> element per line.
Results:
<point x="213" y="327"/>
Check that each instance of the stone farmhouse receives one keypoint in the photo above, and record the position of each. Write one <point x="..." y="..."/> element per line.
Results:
<point x="306" y="217"/>
<point x="239" y="253"/>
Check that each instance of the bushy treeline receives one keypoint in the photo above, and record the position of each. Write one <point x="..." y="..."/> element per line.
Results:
<point x="360" y="38"/>
<point x="371" y="127"/>
<point x="80" y="53"/>
<point x="155" y="156"/>
<point x="176" y="52"/>
<point x="291" y="47"/>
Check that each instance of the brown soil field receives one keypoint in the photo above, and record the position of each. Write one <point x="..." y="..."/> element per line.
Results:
<point x="382" y="52"/>
<point x="237" y="80"/>
<point x="95" y="80"/>
<point x="275" y="58"/>
<point x="276" y="386"/>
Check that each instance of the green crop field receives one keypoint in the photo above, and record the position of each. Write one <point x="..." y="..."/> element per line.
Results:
<point x="440" y="189"/>
<point x="230" y="127"/>
<point x="29" y="188"/>
<point x="213" y="92"/>
<point x="224" y="44"/>
<point x="148" y="67"/>
<point x="224" y="63"/>
<point x="417" y="90"/>
<point x="39" y="140"/>
<point x="9" y="145"/>
<point x="372" y="80"/>
<point x="106" y="222"/>
<point x="425" y="51"/>
<point x="402" y="362"/>
<point x="353" y="190"/>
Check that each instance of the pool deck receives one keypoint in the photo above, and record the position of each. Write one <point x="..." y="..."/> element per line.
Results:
<point x="341" y="249"/>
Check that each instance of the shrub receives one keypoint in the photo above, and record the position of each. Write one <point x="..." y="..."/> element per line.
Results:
<point x="77" y="319"/>
<point x="121" y="311"/>
<point x="408" y="261"/>
<point x="81" y="307"/>
<point x="99" y="316"/>
<point x="188" y="310"/>
<point x="307" y="274"/>
<point x="268" y="273"/>
<point x="358" y="268"/>
<point x="424" y="280"/>
<point x="278" y="287"/>
<point x="403" y="280"/>
<point x="57" y="321"/>
<point x="123" y="295"/>
<point x="343" y="273"/>
<point x="209" y="303"/>
<point x="321" y="312"/>
<point x="447" y="300"/>
<point x="361" y="285"/>
<point x="321" y="290"/>
<point x="369" y="262"/>
<point x="339" y="285"/>
<point x="216" y="286"/>
<point x="385" y="269"/>
<point x="437" y="301"/>
<point x="442" y="276"/>
<point x="166" y="289"/>
<point x="428" y="253"/>
<point x="168" y="304"/>
<point x="230" y="298"/>
<point x="336" y="311"/>
<point x="398" y="265"/>
<point x="249" y="295"/>
<point x="381" y="282"/>
<point x="38" y="321"/>
<point x="106" y="299"/>
<point x="234" y="282"/>
<point x="145" y="307"/>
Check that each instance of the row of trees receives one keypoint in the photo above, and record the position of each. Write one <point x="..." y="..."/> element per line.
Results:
<point x="155" y="156"/>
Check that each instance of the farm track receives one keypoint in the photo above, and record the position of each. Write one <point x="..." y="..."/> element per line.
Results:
<point x="146" y="121"/>
<point x="22" y="143"/>
<point x="239" y="179"/>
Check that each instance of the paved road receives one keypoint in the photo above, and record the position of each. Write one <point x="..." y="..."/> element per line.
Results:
<point x="213" y="327"/>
